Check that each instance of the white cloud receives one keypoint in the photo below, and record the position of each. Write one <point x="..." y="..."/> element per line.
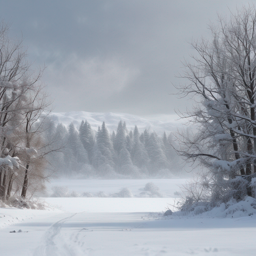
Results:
<point x="84" y="80"/>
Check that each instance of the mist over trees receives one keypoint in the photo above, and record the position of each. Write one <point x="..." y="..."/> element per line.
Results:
<point x="222" y="77"/>
<point x="124" y="154"/>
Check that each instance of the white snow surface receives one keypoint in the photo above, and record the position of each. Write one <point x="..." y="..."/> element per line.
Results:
<point x="157" y="123"/>
<point x="125" y="226"/>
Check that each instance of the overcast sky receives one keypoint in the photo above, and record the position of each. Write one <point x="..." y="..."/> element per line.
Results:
<point x="113" y="55"/>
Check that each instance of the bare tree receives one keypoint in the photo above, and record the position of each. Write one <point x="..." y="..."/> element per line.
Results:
<point x="21" y="105"/>
<point x="33" y="156"/>
<point x="222" y="77"/>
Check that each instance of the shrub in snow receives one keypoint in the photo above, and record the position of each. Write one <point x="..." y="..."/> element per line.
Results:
<point x="86" y="194"/>
<point x="177" y="194"/>
<point x="63" y="192"/>
<point x="230" y="209"/>
<point x="151" y="187"/>
<point x="150" y="190"/>
<point x="168" y="213"/>
<point x="60" y="192"/>
<point x="74" y="194"/>
<point x="246" y="207"/>
<point x="21" y="203"/>
<point x="125" y="192"/>
<point x="198" y="209"/>
<point x="101" y="194"/>
<point x="205" y="190"/>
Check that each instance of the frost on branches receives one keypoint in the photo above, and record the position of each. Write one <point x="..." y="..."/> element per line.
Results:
<point x="222" y="78"/>
<point x="21" y="105"/>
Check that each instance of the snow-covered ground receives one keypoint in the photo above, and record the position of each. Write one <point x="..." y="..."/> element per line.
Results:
<point x="120" y="226"/>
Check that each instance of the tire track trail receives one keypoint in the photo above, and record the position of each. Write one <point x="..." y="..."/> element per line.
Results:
<point x="54" y="244"/>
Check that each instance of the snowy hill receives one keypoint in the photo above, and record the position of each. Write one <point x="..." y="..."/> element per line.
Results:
<point x="157" y="123"/>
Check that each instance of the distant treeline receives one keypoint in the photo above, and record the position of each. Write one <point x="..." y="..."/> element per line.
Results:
<point x="124" y="153"/>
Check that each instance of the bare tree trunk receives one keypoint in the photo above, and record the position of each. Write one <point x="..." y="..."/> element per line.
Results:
<point x="9" y="190"/>
<point x="3" y="185"/>
<point x="254" y="140"/>
<point x="25" y="183"/>
<point x="235" y="147"/>
<point x="248" y="164"/>
<point x="234" y="141"/>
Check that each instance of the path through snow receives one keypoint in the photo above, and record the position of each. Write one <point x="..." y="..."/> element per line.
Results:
<point x="121" y="227"/>
<point x="55" y="244"/>
<point x="126" y="234"/>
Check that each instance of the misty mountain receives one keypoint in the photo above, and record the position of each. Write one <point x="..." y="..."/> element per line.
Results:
<point x="156" y="123"/>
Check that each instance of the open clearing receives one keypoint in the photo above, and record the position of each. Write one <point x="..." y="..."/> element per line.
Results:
<point x="120" y="226"/>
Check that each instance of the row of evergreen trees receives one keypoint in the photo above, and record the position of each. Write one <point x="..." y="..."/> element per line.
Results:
<point x="122" y="153"/>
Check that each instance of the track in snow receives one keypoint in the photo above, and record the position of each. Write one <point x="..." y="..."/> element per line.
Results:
<point x="56" y="244"/>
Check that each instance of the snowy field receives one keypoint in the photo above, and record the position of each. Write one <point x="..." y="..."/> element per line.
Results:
<point x="102" y="226"/>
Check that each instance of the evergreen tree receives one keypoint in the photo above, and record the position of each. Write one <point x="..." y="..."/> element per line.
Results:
<point x="125" y="157"/>
<point x="128" y="143"/>
<point x="57" y="158"/>
<point x="127" y="153"/>
<point x="125" y="163"/>
<point x="170" y="153"/>
<point x="120" y="140"/>
<point x="75" y="149"/>
<point x="103" y="151"/>
<point x="87" y="138"/>
<point x="113" y="137"/>
<point x="139" y="154"/>
<point x="157" y="157"/>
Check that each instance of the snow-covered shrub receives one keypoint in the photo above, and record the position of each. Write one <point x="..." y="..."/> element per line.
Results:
<point x="74" y="194"/>
<point x="150" y="190"/>
<point x="168" y="212"/>
<point x="125" y="192"/>
<point x="87" y="194"/>
<point x="60" y="192"/>
<point x="101" y="194"/>
<point x="177" y="194"/>
<point x="19" y="202"/>
<point x="151" y="187"/>
<point x="230" y="209"/>
<point x="203" y="193"/>
<point x="199" y="209"/>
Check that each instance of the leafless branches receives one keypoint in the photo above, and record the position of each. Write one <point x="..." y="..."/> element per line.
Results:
<point x="22" y="103"/>
<point x="223" y="76"/>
